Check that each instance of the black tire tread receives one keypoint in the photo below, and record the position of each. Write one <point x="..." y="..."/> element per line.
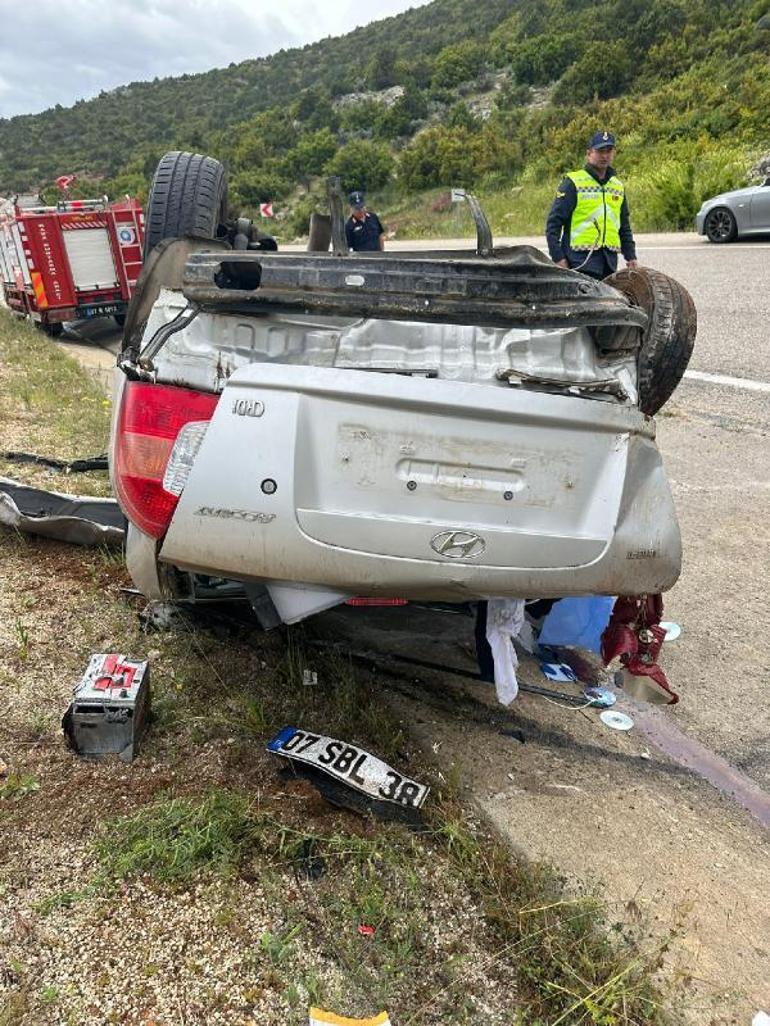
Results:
<point x="188" y="197"/>
<point x="668" y="340"/>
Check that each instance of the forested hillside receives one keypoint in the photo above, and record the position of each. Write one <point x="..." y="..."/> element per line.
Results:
<point x="494" y="95"/>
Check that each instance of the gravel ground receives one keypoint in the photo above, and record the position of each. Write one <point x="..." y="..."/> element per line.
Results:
<point x="139" y="951"/>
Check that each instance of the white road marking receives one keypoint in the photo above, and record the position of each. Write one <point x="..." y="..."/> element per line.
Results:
<point x="747" y="384"/>
<point x="704" y="247"/>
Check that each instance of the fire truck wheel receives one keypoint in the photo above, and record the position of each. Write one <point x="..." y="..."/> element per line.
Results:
<point x="668" y="339"/>
<point x="188" y="197"/>
<point x="53" y="329"/>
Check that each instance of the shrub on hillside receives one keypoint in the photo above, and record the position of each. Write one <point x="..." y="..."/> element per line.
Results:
<point x="361" y="164"/>
<point x="670" y="195"/>
<point x="458" y="63"/>
<point x="600" y="73"/>
<point x="542" y="60"/>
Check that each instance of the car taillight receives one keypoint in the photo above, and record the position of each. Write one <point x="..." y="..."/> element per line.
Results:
<point x="160" y="429"/>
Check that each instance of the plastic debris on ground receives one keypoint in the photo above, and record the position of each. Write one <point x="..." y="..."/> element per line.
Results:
<point x="602" y="698"/>
<point x="616" y="720"/>
<point x="338" y="768"/>
<point x="673" y="630"/>
<point x="587" y="666"/>
<point x="78" y="519"/>
<point x="52" y="463"/>
<point x="110" y="707"/>
<point x="309" y="678"/>
<point x="318" y="1017"/>
<point x="559" y="672"/>
<point x="366" y="931"/>
<point x="577" y="622"/>
<point x="505" y="618"/>
<point x="761" y="1019"/>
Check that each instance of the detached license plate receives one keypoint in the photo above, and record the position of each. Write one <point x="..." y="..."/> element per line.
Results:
<point x="353" y="766"/>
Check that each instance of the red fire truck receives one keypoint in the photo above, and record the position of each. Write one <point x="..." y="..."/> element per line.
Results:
<point x="80" y="258"/>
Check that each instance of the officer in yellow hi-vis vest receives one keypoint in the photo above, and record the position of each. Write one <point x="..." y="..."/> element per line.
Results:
<point x="589" y="222"/>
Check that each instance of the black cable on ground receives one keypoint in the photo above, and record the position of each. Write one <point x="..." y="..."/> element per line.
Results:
<point x="68" y="466"/>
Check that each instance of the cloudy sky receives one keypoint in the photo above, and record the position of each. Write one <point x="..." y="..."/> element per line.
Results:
<point x="59" y="51"/>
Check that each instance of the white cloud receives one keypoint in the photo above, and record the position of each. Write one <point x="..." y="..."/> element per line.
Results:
<point x="58" y="52"/>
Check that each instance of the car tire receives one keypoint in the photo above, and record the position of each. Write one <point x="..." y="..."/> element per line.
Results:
<point x="720" y="225"/>
<point x="668" y="340"/>
<point x="188" y="197"/>
<point x="51" y="328"/>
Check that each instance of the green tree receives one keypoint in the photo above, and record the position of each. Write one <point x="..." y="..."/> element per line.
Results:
<point x="458" y="63"/>
<point x="314" y="109"/>
<point x="312" y="152"/>
<point x="401" y="118"/>
<point x="381" y="69"/>
<point x="249" y="188"/>
<point x="268" y="134"/>
<point x="600" y="73"/>
<point x="362" y="164"/>
<point x="544" y="59"/>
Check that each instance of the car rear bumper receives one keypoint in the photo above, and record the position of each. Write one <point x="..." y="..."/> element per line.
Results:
<point x="381" y="484"/>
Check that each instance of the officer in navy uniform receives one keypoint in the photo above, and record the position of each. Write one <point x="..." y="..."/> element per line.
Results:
<point x="589" y="221"/>
<point x="363" y="229"/>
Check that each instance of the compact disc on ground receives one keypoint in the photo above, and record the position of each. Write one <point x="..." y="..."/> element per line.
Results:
<point x="616" y="720"/>
<point x="673" y="630"/>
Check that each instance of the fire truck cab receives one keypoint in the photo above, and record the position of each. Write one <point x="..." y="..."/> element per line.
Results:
<point x="78" y="259"/>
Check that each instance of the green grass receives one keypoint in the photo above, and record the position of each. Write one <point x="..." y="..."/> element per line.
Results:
<point x="17" y="786"/>
<point x="173" y="838"/>
<point x="516" y="209"/>
<point x="49" y="401"/>
<point x="570" y="965"/>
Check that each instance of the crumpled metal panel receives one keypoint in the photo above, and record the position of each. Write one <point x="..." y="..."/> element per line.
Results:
<point x="205" y="354"/>
<point x="78" y="519"/>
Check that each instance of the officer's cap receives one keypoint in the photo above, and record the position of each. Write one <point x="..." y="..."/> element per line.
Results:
<point x="356" y="200"/>
<point x="601" y="141"/>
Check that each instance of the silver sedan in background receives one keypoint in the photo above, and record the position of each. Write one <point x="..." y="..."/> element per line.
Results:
<point x="731" y="214"/>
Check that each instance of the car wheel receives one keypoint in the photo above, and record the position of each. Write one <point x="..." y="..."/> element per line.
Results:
<point x="188" y="197"/>
<point x="720" y="225"/>
<point x="668" y="340"/>
<point x="52" y="328"/>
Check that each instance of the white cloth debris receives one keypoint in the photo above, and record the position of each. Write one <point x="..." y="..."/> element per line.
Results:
<point x="505" y="618"/>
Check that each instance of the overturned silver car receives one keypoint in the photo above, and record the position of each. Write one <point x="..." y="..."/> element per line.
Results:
<point x="435" y="426"/>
